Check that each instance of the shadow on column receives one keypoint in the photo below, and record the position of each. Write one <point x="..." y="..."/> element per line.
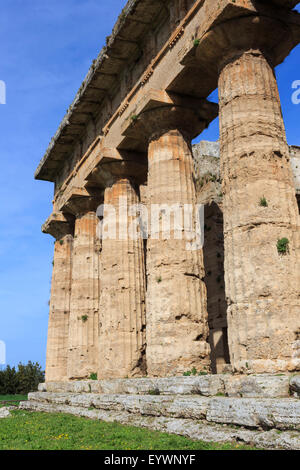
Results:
<point x="214" y="280"/>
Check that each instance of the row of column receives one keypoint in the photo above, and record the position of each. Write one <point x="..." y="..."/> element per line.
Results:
<point x="104" y="319"/>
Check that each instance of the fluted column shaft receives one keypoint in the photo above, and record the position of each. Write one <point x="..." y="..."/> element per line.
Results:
<point x="84" y="311"/>
<point x="122" y="298"/>
<point x="177" y="329"/>
<point x="58" y="327"/>
<point x="260" y="208"/>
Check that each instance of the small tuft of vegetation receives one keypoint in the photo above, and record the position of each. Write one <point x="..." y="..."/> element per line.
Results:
<point x="196" y="42"/>
<point x="84" y="318"/>
<point x="134" y="117"/>
<point x="263" y="202"/>
<point x="194" y="372"/>
<point x="155" y="391"/>
<point x="283" y="246"/>
<point x="159" y="279"/>
<point x="93" y="376"/>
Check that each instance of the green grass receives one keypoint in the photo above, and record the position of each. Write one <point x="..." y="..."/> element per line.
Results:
<point x="12" y="399"/>
<point x="37" y="431"/>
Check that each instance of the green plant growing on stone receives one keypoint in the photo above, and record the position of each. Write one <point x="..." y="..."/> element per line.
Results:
<point x="154" y="391"/>
<point x="93" y="376"/>
<point x="196" y="42"/>
<point x="193" y="372"/>
<point x="283" y="246"/>
<point x="158" y="279"/>
<point x="84" y="318"/>
<point x="134" y="117"/>
<point x="263" y="202"/>
<point x="187" y="373"/>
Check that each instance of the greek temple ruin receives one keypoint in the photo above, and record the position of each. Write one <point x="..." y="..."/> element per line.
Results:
<point x="125" y="307"/>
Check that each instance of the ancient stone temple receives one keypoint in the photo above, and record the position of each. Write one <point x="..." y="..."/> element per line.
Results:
<point x="157" y="305"/>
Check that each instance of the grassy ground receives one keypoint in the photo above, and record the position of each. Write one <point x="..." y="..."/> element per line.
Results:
<point x="6" y="400"/>
<point x="37" y="431"/>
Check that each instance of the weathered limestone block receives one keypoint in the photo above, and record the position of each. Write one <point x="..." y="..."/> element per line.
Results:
<point x="201" y="385"/>
<point x="84" y="314"/>
<point x="177" y="330"/>
<point x="122" y="300"/>
<point x="252" y="386"/>
<point x="260" y="208"/>
<point x="266" y="413"/>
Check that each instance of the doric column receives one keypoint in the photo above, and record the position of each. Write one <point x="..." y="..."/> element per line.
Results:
<point x="177" y="327"/>
<point x="84" y="306"/>
<point x="58" y="327"/>
<point x="261" y="220"/>
<point x="122" y="299"/>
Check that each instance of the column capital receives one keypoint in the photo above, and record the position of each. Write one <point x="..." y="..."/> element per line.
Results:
<point x="118" y="164"/>
<point x="159" y="112"/>
<point x="59" y="225"/>
<point x="190" y="122"/>
<point x="81" y="201"/>
<point x="273" y="31"/>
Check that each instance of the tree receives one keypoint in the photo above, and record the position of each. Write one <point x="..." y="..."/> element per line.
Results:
<point x="22" y="381"/>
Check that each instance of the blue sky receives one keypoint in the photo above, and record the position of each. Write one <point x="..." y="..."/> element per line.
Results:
<point x="46" y="48"/>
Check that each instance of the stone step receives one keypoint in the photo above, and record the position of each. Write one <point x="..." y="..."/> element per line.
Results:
<point x="266" y="413"/>
<point x="251" y="386"/>
<point x="194" y="429"/>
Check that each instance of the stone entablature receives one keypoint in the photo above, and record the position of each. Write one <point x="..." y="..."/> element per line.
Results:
<point x="155" y="306"/>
